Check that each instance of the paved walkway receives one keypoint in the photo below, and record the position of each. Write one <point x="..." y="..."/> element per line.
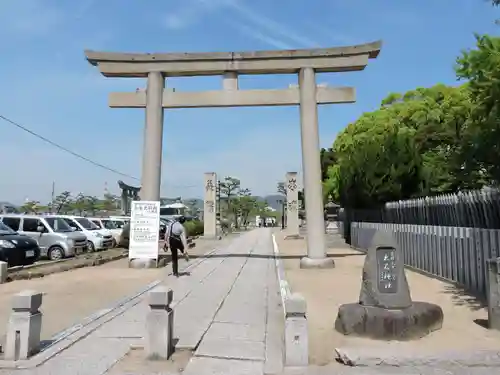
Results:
<point x="221" y="313"/>
<point x="227" y="313"/>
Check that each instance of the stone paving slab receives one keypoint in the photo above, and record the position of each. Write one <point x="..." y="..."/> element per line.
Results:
<point x="218" y="366"/>
<point x="239" y="329"/>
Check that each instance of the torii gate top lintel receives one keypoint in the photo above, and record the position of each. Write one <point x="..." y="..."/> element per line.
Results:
<point x="335" y="59"/>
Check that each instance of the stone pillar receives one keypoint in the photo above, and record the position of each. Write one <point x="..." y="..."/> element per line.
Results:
<point x="3" y="272"/>
<point x="292" y="206"/>
<point x="160" y="325"/>
<point x="494" y="293"/>
<point x="296" y="332"/>
<point x="124" y="202"/>
<point x="153" y="138"/>
<point x="25" y="326"/>
<point x="209" y="206"/>
<point x="311" y="167"/>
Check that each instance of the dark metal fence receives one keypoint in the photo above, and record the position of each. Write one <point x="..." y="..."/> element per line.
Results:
<point x="451" y="235"/>
<point x="471" y="209"/>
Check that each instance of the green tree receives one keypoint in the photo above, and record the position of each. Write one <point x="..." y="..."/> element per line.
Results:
<point x="229" y="190"/>
<point x="245" y="206"/>
<point x="31" y="207"/>
<point x="481" y="67"/>
<point x="110" y="202"/>
<point x="80" y="203"/>
<point x="93" y="204"/>
<point x="328" y="159"/>
<point x="63" y="202"/>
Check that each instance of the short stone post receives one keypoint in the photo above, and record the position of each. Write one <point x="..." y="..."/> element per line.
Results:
<point x="296" y="334"/>
<point x="494" y="293"/>
<point x="160" y="325"/>
<point x="25" y="326"/>
<point x="3" y="272"/>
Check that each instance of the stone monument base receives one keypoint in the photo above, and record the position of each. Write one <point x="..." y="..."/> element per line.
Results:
<point x="293" y="237"/>
<point x="317" y="263"/>
<point x="148" y="263"/>
<point x="414" y="322"/>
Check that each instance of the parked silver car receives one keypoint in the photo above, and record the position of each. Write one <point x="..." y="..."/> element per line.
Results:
<point x="55" y="237"/>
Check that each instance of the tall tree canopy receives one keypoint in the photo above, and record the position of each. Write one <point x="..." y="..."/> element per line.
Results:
<point x="440" y="139"/>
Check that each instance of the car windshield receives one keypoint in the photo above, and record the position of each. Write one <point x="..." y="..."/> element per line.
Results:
<point x="57" y="224"/>
<point x="86" y="223"/>
<point x="109" y="224"/>
<point x="118" y="224"/>
<point x="4" y="229"/>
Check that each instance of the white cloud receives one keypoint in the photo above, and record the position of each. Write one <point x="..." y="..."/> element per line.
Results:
<point x="251" y="23"/>
<point x="270" y="26"/>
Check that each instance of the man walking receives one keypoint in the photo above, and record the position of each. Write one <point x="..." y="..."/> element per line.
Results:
<point x="176" y="239"/>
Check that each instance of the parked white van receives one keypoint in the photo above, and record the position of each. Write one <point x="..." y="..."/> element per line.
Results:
<point x="109" y="224"/>
<point x="97" y="238"/>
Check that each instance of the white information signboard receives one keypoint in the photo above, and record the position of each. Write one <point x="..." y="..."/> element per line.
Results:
<point x="144" y="230"/>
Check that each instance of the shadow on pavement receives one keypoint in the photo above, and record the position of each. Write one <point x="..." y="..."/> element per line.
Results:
<point x="261" y="256"/>
<point x="463" y="297"/>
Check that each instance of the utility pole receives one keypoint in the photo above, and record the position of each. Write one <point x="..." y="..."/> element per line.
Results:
<point x="53" y="197"/>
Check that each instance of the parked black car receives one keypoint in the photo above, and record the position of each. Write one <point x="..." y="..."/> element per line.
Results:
<point x="17" y="249"/>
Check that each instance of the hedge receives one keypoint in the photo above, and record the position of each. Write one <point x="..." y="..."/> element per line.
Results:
<point x="194" y="228"/>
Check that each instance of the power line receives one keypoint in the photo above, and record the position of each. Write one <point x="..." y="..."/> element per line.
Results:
<point x="79" y="156"/>
<point x="23" y="128"/>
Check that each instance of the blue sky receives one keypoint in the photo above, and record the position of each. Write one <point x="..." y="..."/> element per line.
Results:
<point x="47" y="85"/>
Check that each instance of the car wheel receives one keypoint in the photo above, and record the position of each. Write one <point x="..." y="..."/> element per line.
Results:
<point x="113" y="243"/>
<point x="56" y="253"/>
<point x="90" y="247"/>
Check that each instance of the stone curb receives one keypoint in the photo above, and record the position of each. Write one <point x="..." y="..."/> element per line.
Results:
<point x="280" y="271"/>
<point x="36" y="265"/>
<point x="64" y="267"/>
<point x="370" y="357"/>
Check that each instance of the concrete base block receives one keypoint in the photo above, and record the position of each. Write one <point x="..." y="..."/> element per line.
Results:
<point x="414" y="322"/>
<point x="317" y="263"/>
<point x="293" y="237"/>
<point x="3" y="272"/>
<point x="210" y="237"/>
<point x="147" y="263"/>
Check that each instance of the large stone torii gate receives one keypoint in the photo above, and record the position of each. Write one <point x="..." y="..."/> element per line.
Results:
<point x="306" y="62"/>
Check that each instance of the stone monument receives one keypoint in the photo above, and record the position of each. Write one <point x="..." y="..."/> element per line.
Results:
<point x="292" y="206"/>
<point x="385" y="310"/>
<point x="210" y="206"/>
